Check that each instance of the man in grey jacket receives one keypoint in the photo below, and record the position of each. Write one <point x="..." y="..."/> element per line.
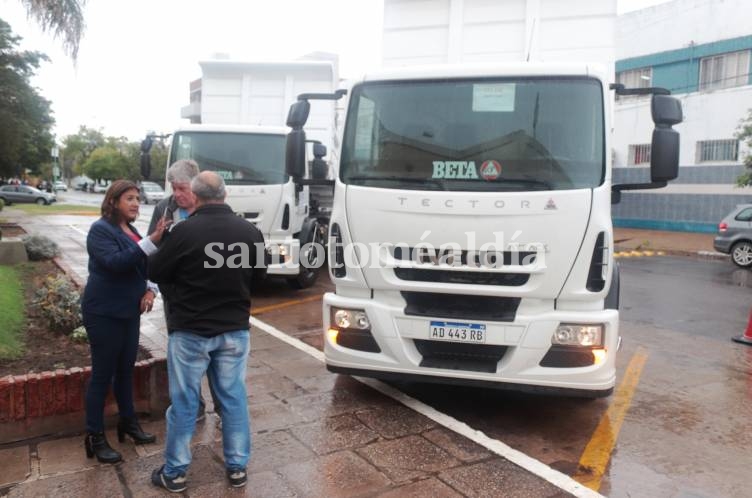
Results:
<point x="177" y="207"/>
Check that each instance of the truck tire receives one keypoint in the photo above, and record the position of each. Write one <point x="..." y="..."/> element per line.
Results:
<point x="310" y="235"/>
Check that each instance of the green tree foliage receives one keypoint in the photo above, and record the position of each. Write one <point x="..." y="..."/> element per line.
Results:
<point x="25" y="116"/>
<point x="78" y="147"/>
<point x="106" y="163"/>
<point x="64" y="18"/>
<point x="744" y="134"/>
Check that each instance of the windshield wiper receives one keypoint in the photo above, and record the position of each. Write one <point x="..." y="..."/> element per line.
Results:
<point x="392" y="178"/>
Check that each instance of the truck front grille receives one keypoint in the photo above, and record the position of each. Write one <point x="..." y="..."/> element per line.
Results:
<point x="462" y="277"/>
<point x="487" y="308"/>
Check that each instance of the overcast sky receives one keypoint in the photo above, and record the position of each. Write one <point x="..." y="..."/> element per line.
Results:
<point x="138" y="56"/>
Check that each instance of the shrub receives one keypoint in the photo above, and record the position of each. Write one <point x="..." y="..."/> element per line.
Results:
<point x="2" y="204"/>
<point x="79" y="335"/>
<point x="40" y="247"/>
<point x="60" y="304"/>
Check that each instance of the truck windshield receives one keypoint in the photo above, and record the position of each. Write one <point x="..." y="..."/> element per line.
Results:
<point x="505" y="134"/>
<point x="240" y="158"/>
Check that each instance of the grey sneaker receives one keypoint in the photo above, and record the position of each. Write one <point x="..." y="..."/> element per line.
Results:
<point x="237" y="478"/>
<point x="173" y="484"/>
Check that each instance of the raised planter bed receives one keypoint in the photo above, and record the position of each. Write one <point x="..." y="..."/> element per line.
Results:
<point x="52" y="402"/>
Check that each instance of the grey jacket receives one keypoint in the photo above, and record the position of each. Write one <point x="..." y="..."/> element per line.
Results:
<point x="167" y="204"/>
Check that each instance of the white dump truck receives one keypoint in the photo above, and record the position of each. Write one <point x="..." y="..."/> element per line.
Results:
<point x="240" y="109"/>
<point x="471" y="238"/>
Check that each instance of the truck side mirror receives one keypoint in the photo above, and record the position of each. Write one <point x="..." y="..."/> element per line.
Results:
<point x="319" y="150"/>
<point x="319" y="167"/>
<point x="664" y="149"/>
<point x="295" y="153"/>
<point x="298" y="114"/>
<point x="146" y="144"/>
<point x="145" y="165"/>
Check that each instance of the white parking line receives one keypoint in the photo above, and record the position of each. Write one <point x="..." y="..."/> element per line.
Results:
<point x="73" y="227"/>
<point x="540" y="469"/>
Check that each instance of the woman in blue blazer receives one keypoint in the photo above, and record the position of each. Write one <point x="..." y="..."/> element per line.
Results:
<point x="115" y="296"/>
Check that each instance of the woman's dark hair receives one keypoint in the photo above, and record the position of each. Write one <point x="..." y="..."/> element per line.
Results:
<point x="112" y="197"/>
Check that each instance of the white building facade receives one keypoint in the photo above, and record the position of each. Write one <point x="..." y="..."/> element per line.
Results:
<point x="700" y="51"/>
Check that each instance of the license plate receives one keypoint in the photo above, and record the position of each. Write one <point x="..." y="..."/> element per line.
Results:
<point x="474" y="333"/>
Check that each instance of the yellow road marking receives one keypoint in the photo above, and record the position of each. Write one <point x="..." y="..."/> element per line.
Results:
<point x="597" y="453"/>
<point x="286" y="304"/>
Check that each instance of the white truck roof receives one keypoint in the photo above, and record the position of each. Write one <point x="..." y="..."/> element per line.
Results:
<point x="226" y="128"/>
<point x="472" y="70"/>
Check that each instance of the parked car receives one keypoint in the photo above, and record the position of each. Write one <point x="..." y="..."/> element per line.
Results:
<point x="24" y="193"/>
<point x="151" y="193"/>
<point x="58" y="186"/>
<point x="735" y="235"/>
<point x="98" y="188"/>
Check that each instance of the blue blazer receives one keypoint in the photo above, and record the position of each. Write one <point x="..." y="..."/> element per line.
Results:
<point x="117" y="272"/>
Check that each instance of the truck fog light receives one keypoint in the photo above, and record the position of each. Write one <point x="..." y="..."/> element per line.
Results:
<point x="361" y="321"/>
<point x="350" y="319"/>
<point x="573" y="334"/>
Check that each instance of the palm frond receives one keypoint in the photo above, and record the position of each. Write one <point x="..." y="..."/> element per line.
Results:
<point x="63" y="18"/>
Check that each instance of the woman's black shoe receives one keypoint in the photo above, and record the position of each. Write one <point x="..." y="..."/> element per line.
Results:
<point x="96" y="445"/>
<point x="131" y="427"/>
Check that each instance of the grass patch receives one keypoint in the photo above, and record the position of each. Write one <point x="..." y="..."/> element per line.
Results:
<point x="35" y="209"/>
<point x="11" y="312"/>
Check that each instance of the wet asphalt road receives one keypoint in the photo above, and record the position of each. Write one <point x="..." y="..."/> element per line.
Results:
<point x="686" y="430"/>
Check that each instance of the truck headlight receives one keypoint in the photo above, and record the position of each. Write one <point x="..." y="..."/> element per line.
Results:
<point x="350" y="319"/>
<point x="279" y="252"/>
<point x="575" y="334"/>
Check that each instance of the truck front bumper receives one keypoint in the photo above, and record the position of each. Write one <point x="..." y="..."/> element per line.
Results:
<point x="522" y="345"/>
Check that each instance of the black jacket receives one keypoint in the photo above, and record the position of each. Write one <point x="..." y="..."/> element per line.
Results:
<point x="207" y="284"/>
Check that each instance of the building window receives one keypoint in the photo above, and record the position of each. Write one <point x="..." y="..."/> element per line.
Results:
<point x="717" y="150"/>
<point x="635" y="78"/>
<point x="639" y="154"/>
<point x="724" y="71"/>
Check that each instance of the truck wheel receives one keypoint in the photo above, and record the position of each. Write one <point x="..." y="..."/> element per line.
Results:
<point x="313" y="258"/>
<point x="741" y="254"/>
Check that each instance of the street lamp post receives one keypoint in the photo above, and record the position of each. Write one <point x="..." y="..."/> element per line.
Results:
<point x="55" y="168"/>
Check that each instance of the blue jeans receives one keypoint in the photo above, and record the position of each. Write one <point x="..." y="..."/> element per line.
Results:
<point x="223" y="358"/>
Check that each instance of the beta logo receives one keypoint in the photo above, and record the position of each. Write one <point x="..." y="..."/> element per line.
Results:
<point x="490" y="170"/>
<point x="463" y="170"/>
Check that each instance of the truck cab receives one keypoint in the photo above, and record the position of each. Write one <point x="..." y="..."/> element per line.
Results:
<point x="471" y="238"/>
<point x="250" y="159"/>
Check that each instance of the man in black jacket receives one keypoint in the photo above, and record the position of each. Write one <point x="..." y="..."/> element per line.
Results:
<point x="209" y="262"/>
<point x="175" y="208"/>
